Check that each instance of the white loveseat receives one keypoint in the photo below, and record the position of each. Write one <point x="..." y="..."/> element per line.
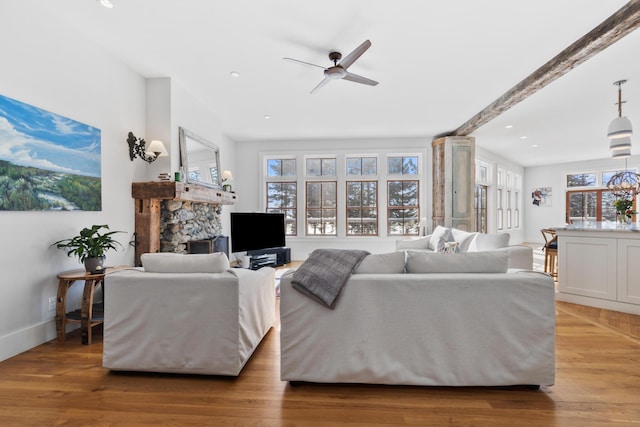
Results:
<point x="449" y="320"/>
<point x="186" y="314"/>
<point x="520" y="256"/>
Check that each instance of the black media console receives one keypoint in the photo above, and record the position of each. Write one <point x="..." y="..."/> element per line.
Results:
<point x="272" y="257"/>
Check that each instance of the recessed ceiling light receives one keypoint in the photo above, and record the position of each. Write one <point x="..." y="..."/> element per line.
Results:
<point x="106" y="3"/>
<point x="523" y="137"/>
<point x="534" y="145"/>
<point x="508" y="126"/>
<point x="235" y="74"/>
<point x="266" y="116"/>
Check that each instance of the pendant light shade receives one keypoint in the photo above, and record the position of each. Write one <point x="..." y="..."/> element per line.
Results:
<point x="621" y="154"/>
<point x="620" y="143"/>
<point x="620" y="127"/>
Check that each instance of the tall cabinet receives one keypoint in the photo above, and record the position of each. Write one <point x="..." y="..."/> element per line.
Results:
<point x="454" y="182"/>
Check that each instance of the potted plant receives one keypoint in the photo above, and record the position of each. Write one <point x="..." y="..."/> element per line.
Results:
<point x="90" y="245"/>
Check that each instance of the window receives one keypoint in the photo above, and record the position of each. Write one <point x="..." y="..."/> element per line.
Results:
<point x="480" y="205"/>
<point x="592" y="205"/>
<point x="362" y="166"/>
<point x="194" y="175"/>
<point x="362" y="208"/>
<point x="516" y="210"/>
<point x="402" y="165"/>
<point x="500" y="212"/>
<point x="282" y="192"/>
<point x="213" y="171"/>
<point x="581" y="180"/>
<point x="282" y="197"/>
<point x="321" y="167"/>
<point x="321" y="208"/>
<point x="508" y="209"/>
<point x="403" y="210"/>
<point x="281" y="167"/>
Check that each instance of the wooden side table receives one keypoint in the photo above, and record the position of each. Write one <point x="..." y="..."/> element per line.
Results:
<point x="86" y="316"/>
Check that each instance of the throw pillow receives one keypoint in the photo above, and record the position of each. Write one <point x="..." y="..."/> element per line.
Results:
<point x="463" y="238"/>
<point x="489" y="242"/>
<point x="462" y="262"/>
<point x="167" y="262"/>
<point x="439" y="233"/>
<point x="418" y="243"/>
<point x="390" y="263"/>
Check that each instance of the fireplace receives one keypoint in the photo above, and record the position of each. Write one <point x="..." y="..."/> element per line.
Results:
<point x="169" y="215"/>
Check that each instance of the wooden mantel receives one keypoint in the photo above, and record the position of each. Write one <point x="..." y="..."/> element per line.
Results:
<point x="181" y="191"/>
<point x="148" y="198"/>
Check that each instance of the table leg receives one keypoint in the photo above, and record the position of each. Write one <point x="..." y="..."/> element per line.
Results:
<point x="61" y="309"/>
<point x="86" y="311"/>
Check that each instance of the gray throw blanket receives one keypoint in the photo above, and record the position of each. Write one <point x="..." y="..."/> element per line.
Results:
<point x="323" y="274"/>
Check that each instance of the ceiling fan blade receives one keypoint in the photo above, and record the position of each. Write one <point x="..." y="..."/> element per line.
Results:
<point x="357" y="52"/>
<point x="359" y="79"/>
<point x="305" y="63"/>
<point x="322" y="83"/>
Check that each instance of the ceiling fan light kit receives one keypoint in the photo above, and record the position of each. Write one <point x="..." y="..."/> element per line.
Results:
<point x="339" y="69"/>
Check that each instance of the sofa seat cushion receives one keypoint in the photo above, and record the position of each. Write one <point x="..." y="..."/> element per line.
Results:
<point x="489" y="242"/>
<point x="389" y="263"/>
<point x="461" y="262"/>
<point x="167" y="262"/>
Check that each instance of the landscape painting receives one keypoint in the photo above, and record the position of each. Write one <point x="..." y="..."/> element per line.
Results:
<point x="47" y="162"/>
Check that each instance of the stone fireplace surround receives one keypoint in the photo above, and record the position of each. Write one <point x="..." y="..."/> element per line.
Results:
<point x="170" y="214"/>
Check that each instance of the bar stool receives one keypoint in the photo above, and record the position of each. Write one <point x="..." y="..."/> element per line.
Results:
<point x="550" y="252"/>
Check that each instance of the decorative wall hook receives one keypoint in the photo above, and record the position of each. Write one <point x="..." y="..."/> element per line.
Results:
<point x="137" y="148"/>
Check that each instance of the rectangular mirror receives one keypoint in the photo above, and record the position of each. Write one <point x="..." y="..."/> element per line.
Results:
<point x="199" y="159"/>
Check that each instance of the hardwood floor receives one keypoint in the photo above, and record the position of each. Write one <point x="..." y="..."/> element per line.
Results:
<point x="597" y="384"/>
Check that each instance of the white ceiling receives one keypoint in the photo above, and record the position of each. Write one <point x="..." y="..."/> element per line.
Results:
<point x="438" y="63"/>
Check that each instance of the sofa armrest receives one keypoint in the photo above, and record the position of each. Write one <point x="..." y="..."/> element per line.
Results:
<point x="520" y="256"/>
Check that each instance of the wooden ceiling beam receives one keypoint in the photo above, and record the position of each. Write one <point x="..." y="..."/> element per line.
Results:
<point x="618" y="25"/>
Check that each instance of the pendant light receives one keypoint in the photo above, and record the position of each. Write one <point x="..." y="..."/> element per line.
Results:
<point x="620" y="127"/>
<point x="621" y="154"/>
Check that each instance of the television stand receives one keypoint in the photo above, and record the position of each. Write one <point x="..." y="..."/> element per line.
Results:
<point x="282" y="255"/>
<point x="266" y="260"/>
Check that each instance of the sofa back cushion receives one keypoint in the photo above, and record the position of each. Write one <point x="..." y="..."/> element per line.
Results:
<point x="390" y="263"/>
<point x="489" y="242"/>
<point x="416" y="243"/>
<point x="461" y="262"/>
<point x="167" y="262"/>
<point x="464" y="239"/>
<point x="439" y="236"/>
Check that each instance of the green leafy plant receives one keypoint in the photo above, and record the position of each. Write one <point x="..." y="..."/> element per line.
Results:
<point x="624" y="207"/>
<point x="90" y="243"/>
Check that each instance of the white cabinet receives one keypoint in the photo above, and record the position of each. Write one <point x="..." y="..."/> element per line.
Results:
<point x="629" y="271"/>
<point x="600" y="268"/>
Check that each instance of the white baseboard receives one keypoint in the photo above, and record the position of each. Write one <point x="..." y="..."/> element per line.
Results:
<point x="28" y="338"/>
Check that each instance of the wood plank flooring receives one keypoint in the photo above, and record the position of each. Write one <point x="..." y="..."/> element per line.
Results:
<point x="597" y="384"/>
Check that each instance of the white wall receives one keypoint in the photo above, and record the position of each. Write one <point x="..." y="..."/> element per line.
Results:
<point x="555" y="176"/>
<point x="73" y="78"/>
<point x="248" y="184"/>
<point x="63" y="74"/>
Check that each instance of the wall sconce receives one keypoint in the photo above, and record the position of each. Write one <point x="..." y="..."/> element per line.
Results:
<point x="137" y="149"/>
<point x="226" y="176"/>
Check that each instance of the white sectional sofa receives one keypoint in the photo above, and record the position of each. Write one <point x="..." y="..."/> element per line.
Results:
<point x="186" y="314"/>
<point x="436" y="319"/>
<point x="520" y="256"/>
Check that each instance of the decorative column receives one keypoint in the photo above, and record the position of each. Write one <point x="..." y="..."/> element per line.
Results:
<point x="454" y="182"/>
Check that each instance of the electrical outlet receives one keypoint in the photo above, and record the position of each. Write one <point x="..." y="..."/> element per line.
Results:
<point x="52" y="303"/>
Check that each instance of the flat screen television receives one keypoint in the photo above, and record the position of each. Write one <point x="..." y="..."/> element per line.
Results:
<point x="252" y="231"/>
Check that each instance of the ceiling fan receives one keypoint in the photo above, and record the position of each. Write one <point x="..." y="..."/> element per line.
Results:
<point x="339" y="69"/>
